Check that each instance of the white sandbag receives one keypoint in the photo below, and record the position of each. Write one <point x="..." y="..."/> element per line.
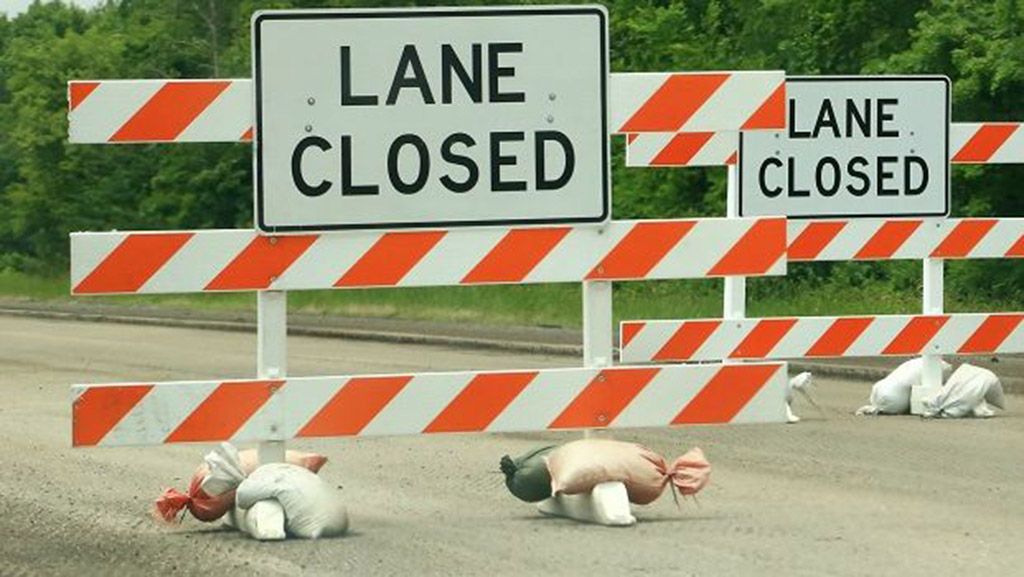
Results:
<point x="226" y="470"/>
<point x="965" y="394"/>
<point x="264" y="521"/>
<point x="605" y="504"/>
<point x="802" y="384"/>
<point x="312" y="508"/>
<point x="891" y="395"/>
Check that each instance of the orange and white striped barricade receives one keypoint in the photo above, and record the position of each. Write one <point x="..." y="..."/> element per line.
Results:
<point x="458" y="402"/>
<point x="240" y="260"/>
<point x="970" y="143"/>
<point x="133" y="111"/>
<point x="905" y="239"/>
<point x="821" y="337"/>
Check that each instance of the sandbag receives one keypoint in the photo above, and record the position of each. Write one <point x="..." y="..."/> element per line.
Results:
<point x="527" y="475"/>
<point x="264" y="521"/>
<point x="967" y="393"/>
<point x="312" y="508"/>
<point x="579" y="466"/>
<point x="891" y="395"/>
<point x="803" y="384"/>
<point x="206" y="507"/>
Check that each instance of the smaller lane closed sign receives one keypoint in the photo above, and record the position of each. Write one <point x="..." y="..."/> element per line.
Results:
<point x="433" y="117"/>
<point x="854" y="146"/>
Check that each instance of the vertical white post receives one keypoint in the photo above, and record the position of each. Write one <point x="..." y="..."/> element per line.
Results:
<point x="734" y="305"/>
<point x="598" y="343"/>
<point x="933" y="302"/>
<point x="271" y="354"/>
<point x="597" y="324"/>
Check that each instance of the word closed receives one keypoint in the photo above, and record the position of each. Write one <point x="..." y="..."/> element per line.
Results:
<point x="430" y="118"/>
<point x="870" y="146"/>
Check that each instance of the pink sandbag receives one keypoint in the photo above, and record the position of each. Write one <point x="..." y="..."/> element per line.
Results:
<point x="578" y="466"/>
<point x="207" y="508"/>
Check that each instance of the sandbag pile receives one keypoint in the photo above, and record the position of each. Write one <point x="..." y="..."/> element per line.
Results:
<point x="211" y="496"/>
<point x="577" y="467"/>
<point x="967" y="393"/>
<point x="268" y="502"/>
<point x="891" y="395"/>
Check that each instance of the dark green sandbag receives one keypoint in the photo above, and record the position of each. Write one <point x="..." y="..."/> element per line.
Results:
<point x="527" y="476"/>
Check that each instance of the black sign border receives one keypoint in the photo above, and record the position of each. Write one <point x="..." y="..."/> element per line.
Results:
<point x="925" y="78"/>
<point x="259" y="18"/>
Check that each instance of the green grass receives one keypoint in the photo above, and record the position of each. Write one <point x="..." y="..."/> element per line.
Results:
<point x="544" y="305"/>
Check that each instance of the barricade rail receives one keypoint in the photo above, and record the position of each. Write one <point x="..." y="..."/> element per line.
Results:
<point x="537" y="400"/>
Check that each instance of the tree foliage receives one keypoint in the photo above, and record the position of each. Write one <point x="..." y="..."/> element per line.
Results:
<point x="49" y="187"/>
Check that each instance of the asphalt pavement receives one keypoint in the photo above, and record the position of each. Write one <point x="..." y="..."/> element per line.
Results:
<point x="832" y="495"/>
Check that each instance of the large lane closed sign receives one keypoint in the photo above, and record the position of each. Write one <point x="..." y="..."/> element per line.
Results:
<point x="854" y="146"/>
<point x="438" y="117"/>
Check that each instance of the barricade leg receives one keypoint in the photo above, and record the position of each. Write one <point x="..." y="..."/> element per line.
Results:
<point x="933" y="304"/>
<point x="734" y="305"/>
<point x="598" y="331"/>
<point x="271" y="354"/>
<point x="606" y="504"/>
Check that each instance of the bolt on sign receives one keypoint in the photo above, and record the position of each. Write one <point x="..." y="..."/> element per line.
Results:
<point x="854" y="146"/>
<point x="430" y="118"/>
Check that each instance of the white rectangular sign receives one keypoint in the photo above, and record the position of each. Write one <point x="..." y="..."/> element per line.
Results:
<point x="854" y="147"/>
<point x="433" y="117"/>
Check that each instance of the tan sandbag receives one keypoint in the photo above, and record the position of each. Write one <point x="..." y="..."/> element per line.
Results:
<point x="578" y="466"/>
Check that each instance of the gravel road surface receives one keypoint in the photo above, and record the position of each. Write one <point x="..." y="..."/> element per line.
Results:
<point x="834" y="495"/>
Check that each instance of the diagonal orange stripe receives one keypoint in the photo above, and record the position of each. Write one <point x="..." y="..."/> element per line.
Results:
<point x="771" y="114"/>
<point x="515" y="255"/>
<point x="261" y="262"/>
<point x="813" y="239"/>
<point x="100" y="409"/>
<point x="726" y="394"/>
<point x="984" y="143"/>
<point x="1017" y="250"/>
<point x="601" y="401"/>
<point x="354" y="406"/>
<point x="224" y="411"/>
<point x="963" y="238"/>
<point x="675" y="101"/>
<point x="915" y="335"/>
<point x="170" y="111"/>
<point x="760" y="247"/>
<point x="390" y="259"/>
<point x="991" y="333"/>
<point x="681" y="149"/>
<point x="79" y="91"/>
<point x="132" y="263"/>
<point x="839" y="336"/>
<point x="247" y="136"/>
<point x="732" y="159"/>
<point x="640" y="250"/>
<point x="889" y="238"/>
<point x="682" y="345"/>
<point x="480" y="402"/>
<point x="630" y="330"/>
<point x="765" y="335"/>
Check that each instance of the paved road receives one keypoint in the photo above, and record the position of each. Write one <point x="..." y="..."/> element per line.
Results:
<point x="834" y="495"/>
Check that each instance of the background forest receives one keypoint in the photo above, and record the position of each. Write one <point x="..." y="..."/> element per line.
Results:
<point x="49" y="187"/>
